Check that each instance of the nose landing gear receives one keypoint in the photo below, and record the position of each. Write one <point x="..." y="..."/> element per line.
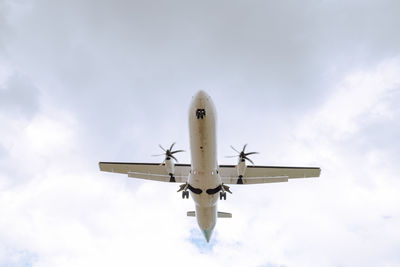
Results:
<point x="200" y="113"/>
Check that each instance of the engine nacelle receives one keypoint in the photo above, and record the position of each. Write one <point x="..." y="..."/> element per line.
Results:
<point x="241" y="168"/>
<point x="169" y="166"/>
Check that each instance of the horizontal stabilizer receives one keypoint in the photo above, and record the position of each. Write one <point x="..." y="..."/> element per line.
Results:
<point x="220" y="214"/>
<point x="224" y="214"/>
<point x="191" y="214"/>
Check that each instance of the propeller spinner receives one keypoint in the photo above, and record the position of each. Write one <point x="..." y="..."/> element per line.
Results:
<point x="242" y="155"/>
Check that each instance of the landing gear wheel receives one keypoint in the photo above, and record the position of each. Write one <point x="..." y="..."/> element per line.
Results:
<point x="185" y="194"/>
<point x="222" y="195"/>
<point x="200" y="113"/>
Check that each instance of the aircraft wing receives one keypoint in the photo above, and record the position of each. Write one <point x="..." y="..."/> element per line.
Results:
<point x="266" y="174"/>
<point x="147" y="171"/>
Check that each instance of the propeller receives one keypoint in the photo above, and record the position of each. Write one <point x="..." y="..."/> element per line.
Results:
<point x="242" y="155"/>
<point x="168" y="153"/>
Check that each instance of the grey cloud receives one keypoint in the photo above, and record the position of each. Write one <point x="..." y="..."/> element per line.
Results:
<point x="285" y="46"/>
<point x="285" y="51"/>
<point x="123" y="64"/>
<point x="126" y="67"/>
<point x="19" y="96"/>
<point x="3" y="12"/>
<point x="3" y="152"/>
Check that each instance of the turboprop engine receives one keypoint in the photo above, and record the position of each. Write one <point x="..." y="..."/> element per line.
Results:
<point x="169" y="160"/>
<point x="241" y="166"/>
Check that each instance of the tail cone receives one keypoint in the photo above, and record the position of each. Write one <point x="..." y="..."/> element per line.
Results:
<point x="207" y="234"/>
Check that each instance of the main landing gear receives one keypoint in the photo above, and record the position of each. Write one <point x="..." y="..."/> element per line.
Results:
<point x="222" y="195"/>
<point x="184" y="188"/>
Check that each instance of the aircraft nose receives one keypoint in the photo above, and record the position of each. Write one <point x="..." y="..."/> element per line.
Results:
<point x="201" y="94"/>
<point x="207" y="234"/>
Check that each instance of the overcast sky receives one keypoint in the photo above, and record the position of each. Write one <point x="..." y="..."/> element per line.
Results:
<point x="305" y="83"/>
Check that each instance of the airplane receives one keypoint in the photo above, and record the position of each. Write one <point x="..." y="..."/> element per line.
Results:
<point x="205" y="180"/>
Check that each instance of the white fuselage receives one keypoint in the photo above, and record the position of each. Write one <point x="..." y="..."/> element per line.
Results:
<point x="204" y="167"/>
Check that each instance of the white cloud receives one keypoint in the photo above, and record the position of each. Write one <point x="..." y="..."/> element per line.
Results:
<point x="361" y="97"/>
<point x="65" y="215"/>
<point x="68" y="213"/>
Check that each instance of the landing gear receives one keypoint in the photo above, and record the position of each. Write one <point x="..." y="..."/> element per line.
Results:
<point x="222" y="195"/>
<point x="200" y="113"/>
<point x="172" y="178"/>
<point x="185" y="194"/>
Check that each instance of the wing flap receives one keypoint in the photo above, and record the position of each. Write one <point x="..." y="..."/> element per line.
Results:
<point x="253" y="180"/>
<point x="290" y="172"/>
<point x="157" y="177"/>
<point x="148" y="171"/>
<point x="266" y="174"/>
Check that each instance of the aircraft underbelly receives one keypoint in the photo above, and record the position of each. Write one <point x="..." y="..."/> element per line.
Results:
<point x="206" y="217"/>
<point x="202" y="127"/>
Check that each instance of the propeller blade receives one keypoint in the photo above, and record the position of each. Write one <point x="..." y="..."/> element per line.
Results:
<point x="177" y="151"/>
<point x="230" y="156"/>
<point x="157" y="155"/>
<point x="235" y="150"/>
<point x="162" y="148"/>
<point x="170" y="149"/>
<point x="173" y="158"/>
<point x="248" y="160"/>
<point x="250" y="153"/>
<point x="244" y="148"/>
